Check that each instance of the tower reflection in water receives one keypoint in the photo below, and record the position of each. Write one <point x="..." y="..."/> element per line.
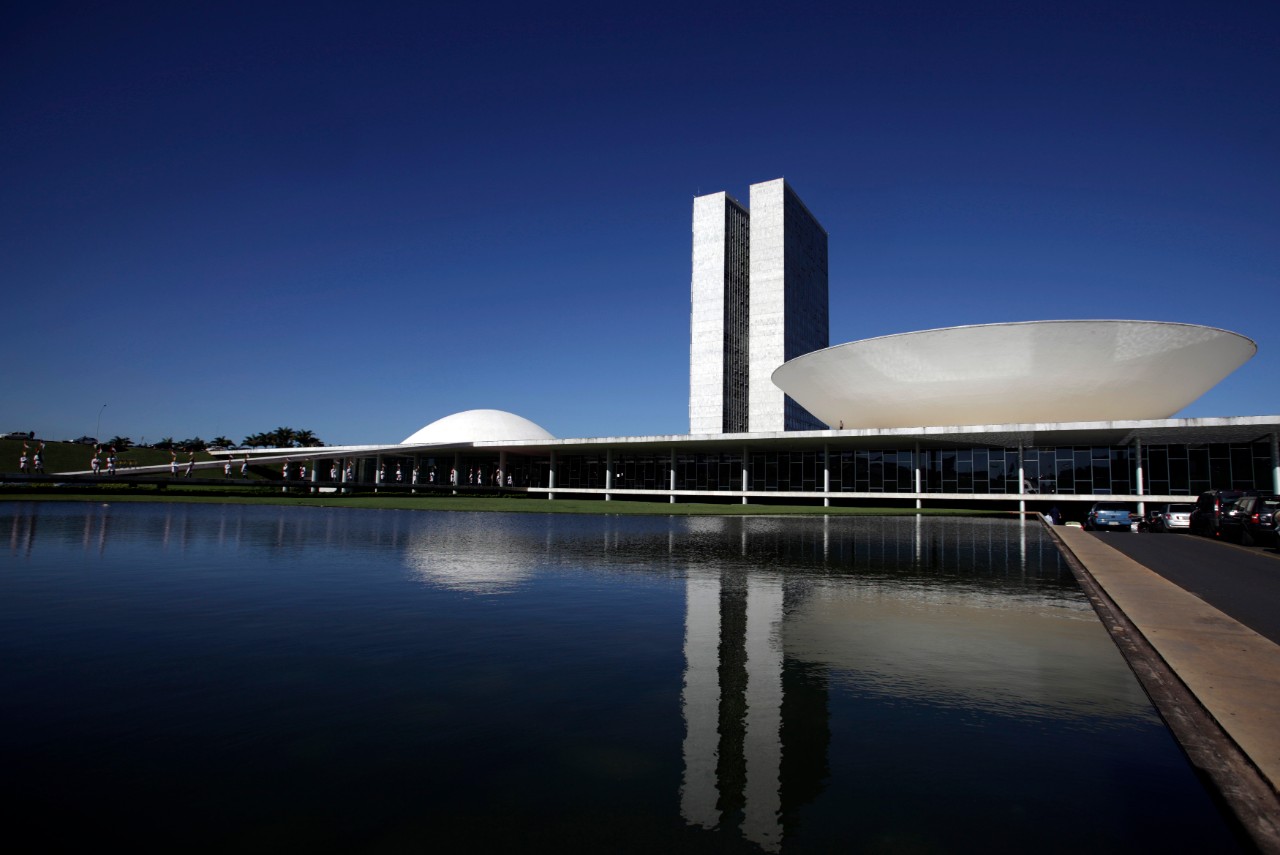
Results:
<point x="744" y="767"/>
<point x="960" y="616"/>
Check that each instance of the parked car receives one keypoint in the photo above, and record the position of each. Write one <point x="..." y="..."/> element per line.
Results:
<point x="1175" y="517"/>
<point x="1251" y="519"/>
<point x="1264" y="523"/>
<point x="1108" y="515"/>
<point x="1206" y="519"/>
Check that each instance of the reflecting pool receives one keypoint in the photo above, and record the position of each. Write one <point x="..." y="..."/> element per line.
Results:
<point x="230" y="678"/>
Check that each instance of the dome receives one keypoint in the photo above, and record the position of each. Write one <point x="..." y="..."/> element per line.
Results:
<point x="478" y="426"/>
<point x="1014" y="373"/>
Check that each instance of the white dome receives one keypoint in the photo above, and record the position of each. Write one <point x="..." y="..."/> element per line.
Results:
<point x="1014" y="373"/>
<point x="478" y="426"/>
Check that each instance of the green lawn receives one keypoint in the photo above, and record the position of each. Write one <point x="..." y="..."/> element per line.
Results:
<point x="532" y="504"/>
<point x="71" y="457"/>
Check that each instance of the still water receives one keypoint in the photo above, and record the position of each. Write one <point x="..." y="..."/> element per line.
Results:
<point x="231" y="678"/>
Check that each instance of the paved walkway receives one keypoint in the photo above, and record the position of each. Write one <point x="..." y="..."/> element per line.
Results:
<point x="1240" y="581"/>
<point x="1232" y="672"/>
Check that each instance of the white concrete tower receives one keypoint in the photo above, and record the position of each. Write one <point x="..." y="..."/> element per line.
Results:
<point x="718" y="344"/>
<point x="788" y="301"/>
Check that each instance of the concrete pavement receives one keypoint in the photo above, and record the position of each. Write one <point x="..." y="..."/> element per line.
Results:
<point x="1241" y="581"/>
<point x="1215" y="681"/>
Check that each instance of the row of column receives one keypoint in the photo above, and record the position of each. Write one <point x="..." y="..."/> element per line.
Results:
<point x="919" y="473"/>
<point x="417" y="461"/>
<point x="826" y="473"/>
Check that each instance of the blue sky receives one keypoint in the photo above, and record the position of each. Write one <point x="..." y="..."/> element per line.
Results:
<point x="356" y="219"/>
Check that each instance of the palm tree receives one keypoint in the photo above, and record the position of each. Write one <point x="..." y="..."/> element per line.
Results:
<point x="282" y="437"/>
<point x="307" y="438"/>
<point x="120" y="443"/>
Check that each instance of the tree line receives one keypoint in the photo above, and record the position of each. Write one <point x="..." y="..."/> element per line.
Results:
<point x="281" y="437"/>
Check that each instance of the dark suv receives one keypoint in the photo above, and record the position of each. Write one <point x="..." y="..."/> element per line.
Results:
<point x="1251" y="519"/>
<point x="1206" y="519"/>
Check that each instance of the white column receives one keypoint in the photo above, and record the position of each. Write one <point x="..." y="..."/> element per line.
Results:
<point x="315" y="471"/>
<point x="826" y="474"/>
<point x="551" y="475"/>
<point x="1022" y="483"/>
<point x="915" y="458"/>
<point x="672" y="471"/>
<point x="377" y="472"/>
<point x="1275" y="463"/>
<point x="455" y="476"/>
<point x="1137" y="450"/>
<point x="608" y="474"/>
<point x="502" y="469"/>
<point x="745" y="471"/>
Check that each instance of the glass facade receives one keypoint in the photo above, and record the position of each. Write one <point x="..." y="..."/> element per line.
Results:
<point x="1179" y="470"/>
<point x="1082" y="470"/>
<point x="737" y="307"/>
<point x="806" y="330"/>
<point x="786" y="471"/>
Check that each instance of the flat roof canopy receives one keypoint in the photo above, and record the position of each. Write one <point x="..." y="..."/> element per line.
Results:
<point x="1052" y="434"/>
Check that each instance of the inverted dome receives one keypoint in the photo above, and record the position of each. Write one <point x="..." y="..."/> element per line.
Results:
<point x="1037" y="371"/>
<point x="478" y="426"/>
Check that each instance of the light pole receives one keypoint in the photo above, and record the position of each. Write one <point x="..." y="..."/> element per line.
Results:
<point x="98" y="429"/>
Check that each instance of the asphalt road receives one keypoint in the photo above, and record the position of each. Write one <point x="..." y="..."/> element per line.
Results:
<point x="1243" y="582"/>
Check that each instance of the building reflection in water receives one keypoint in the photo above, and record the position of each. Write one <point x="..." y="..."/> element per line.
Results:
<point x="781" y="617"/>
<point x="22" y="534"/>
<point x="755" y="725"/>
<point x="700" y="701"/>
<point x="985" y="619"/>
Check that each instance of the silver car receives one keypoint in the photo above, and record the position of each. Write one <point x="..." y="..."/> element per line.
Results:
<point x="1172" y="518"/>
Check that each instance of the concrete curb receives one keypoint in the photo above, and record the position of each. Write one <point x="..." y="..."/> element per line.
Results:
<point x="1215" y="682"/>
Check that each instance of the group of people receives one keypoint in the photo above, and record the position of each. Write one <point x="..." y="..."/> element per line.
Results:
<point x="286" y="468"/>
<point x="344" y="470"/>
<point x="95" y="463"/>
<point x="33" y="463"/>
<point x="475" y="477"/>
<point x="414" y="475"/>
<point x="173" y="464"/>
<point x="244" y="467"/>
<point x="36" y="460"/>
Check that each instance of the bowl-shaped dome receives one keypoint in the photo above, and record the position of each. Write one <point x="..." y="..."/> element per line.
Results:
<point x="478" y="426"/>
<point x="1015" y="373"/>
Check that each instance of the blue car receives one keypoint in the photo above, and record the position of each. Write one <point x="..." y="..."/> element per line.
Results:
<point x="1108" y="515"/>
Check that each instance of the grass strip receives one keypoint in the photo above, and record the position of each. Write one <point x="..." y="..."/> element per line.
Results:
<point x="487" y="503"/>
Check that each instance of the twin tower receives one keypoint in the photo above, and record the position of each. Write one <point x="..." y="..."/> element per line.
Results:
<point x="759" y="298"/>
